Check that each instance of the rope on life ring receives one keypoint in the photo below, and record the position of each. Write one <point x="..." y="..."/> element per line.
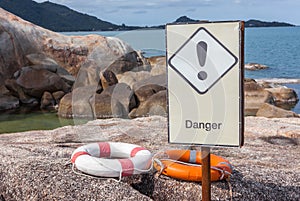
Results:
<point x="112" y="159"/>
<point x="186" y="165"/>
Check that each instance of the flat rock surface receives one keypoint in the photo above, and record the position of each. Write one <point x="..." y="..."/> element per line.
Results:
<point x="33" y="164"/>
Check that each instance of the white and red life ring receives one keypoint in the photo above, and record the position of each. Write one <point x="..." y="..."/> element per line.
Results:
<point x="111" y="159"/>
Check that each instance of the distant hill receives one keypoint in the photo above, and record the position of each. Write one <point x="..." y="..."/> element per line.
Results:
<point x="57" y="17"/>
<point x="257" y="23"/>
<point x="184" y="19"/>
<point x="249" y="23"/>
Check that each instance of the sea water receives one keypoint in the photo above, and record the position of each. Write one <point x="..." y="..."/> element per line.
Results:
<point x="277" y="48"/>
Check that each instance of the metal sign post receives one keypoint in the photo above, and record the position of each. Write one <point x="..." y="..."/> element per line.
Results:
<point x="205" y="64"/>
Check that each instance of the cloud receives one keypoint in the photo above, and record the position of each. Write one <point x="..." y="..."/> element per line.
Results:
<point x="132" y="4"/>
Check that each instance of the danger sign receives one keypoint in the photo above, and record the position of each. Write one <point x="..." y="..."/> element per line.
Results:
<point x="205" y="83"/>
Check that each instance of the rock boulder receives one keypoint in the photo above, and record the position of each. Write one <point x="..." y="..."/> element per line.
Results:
<point x="255" y="66"/>
<point x="35" y="82"/>
<point x="156" y="104"/>
<point x="158" y="64"/>
<point x="8" y="102"/>
<point x="262" y="93"/>
<point x="255" y="97"/>
<point x="283" y="94"/>
<point x="39" y="60"/>
<point x="271" y="111"/>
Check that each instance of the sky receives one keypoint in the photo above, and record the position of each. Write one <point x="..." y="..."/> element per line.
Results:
<point x="159" y="12"/>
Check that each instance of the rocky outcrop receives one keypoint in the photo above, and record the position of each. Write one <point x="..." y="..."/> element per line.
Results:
<point x="33" y="165"/>
<point x="146" y="97"/>
<point x="158" y="64"/>
<point x="8" y="102"/>
<point x="149" y="99"/>
<point x="34" y="60"/>
<point x="131" y="78"/>
<point x="33" y="83"/>
<point x="283" y="94"/>
<point x="65" y="106"/>
<point x="115" y="101"/>
<point x="156" y="104"/>
<point x="262" y="94"/>
<point x="255" y="97"/>
<point x="255" y="66"/>
<point x="271" y="111"/>
<point x="133" y="92"/>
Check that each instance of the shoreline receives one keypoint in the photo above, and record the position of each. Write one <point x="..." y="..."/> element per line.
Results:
<point x="60" y="122"/>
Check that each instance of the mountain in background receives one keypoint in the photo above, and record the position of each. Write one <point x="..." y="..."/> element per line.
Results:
<point x="57" y="17"/>
<point x="257" y="23"/>
<point x="249" y="23"/>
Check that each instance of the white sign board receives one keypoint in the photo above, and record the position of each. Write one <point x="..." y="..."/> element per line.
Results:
<point x="205" y="83"/>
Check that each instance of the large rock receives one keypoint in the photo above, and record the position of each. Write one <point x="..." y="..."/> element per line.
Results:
<point x="271" y="111"/>
<point x="283" y="94"/>
<point x="105" y="107"/>
<point x="154" y="105"/>
<point x="33" y="164"/>
<point x="77" y="103"/>
<point x="8" y="102"/>
<point x="147" y="87"/>
<point x="158" y="64"/>
<point x="145" y="92"/>
<point x="255" y="97"/>
<point x="130" y="78"/>
<point x="128" y="62"/>
<point x="50" y="58"/>
<point x="40" y="59"/>
<point x="35" y="82"/>
<point x="23" y="44"/>
<point x="114" y="101"/>
<point x="17" y="90"/>
<point x="257" y="94"/>
<point x="4" y="90"/>
<point x="255" y="66"/>
<point x="126" y="96"/>
<point x="108" y="78"/>
<point x="47" y="100"/>
<point x="104" y="57"/>
<point x="65" y="106"/>
<point x="58" y="95"/>
<point x="251" y="85"/>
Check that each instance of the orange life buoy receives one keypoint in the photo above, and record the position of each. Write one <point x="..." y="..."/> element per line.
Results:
<point x="186" y="165"/>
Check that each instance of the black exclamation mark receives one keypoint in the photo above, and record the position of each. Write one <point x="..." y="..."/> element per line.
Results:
<point x="202" y="52"/>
